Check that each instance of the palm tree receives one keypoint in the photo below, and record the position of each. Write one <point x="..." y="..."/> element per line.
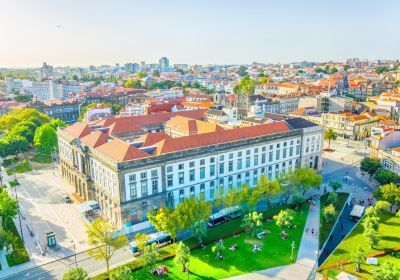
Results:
<point x="329" y="135"/>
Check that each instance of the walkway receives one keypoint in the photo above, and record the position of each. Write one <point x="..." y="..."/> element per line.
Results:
<point x="306" y="257"/>
<point x="3" y="260"/>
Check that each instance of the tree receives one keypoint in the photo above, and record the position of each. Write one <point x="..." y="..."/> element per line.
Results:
<point x="7" y="122"/>
<point x="218" y="248"/>
<point x="12" y="145"/>
<point x="141" y="241"/>
<point x="371" y="236"/>
<point x="389" y="192"/>
<point x="385" y="176"/>
<point x="199" y="230"/>
<point x="100" y="234"/>
<point x="150" y="255"/>
<point x="156" y="73"/>
<point x="381" y="206"/>
<point x="370" y="165"/>
<point x="76" y="273"/>
<point x="267" y="189"/>
<point x="8" y="206"/>
<point x="191" y="210"/>
<point x="121" y="273"/>
<point x="306" y="178"/>
<point x="284" y="218"/>
<point x="329" y="212"/>
<point x="165" y="220"/>
<point x="133" y="83"/>
<point x="252" y="222"/>
<point x="330" y="135"/>
<point x="182" y="255"/>
<point x="386" y="271"/>
<point x="46" y="139"/>
<point x="246" y="86"/>
<point x="332" y="198"/>
<point x="3" y="238"/>
<point x="358" y="257"/>
<point x="75" y="77"/>
<point x="56" y="123"/>
<point x="25" y="129"/>
<point x="141" y="75"/>
<point x="335" y="185"/>
<point x="298" y="199"/>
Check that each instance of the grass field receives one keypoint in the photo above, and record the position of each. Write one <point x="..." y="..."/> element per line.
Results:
<point x="19" y="254"/>
<point x="42" y="159"/>
<point x="275" y="252"/>
<point x="389" y="237"/>
<point x="24" y="166"/>
<point x="13" y="183"/>
<point x="326" y="227"/>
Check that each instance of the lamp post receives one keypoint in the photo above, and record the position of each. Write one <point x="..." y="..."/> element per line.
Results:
<point x="16" y="198"/>
<point x="73" y="244"/>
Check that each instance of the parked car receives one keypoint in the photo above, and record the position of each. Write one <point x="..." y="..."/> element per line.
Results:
<point x="67" y="199"/>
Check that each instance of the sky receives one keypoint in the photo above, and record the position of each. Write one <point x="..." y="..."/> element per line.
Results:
<point x="94" y="32"/>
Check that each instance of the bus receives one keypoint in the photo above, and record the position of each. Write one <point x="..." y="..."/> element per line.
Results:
<point x="161" y="238"/>
<point x="224" y="215"/>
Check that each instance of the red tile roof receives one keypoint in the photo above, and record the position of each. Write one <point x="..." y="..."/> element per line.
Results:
<point x="121" y="151"/>
<point x="94" y="139"/>
<point x="78" y="129"/>
<point x="152" y="138"/>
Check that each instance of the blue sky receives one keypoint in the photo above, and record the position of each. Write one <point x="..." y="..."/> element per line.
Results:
<point x="208" y="31"/>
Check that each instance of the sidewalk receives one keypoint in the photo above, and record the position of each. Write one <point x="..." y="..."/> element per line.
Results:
<point x="306" y="257"/>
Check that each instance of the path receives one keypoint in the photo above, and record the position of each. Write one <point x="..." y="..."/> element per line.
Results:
<point x="306" y="257"/>
<point x="3" y="260"/>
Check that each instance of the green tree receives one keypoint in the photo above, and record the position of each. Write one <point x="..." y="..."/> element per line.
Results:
<point x="306" y="178"/>
<point x="25" y="129"/>
<point x="76" y="273"/>
<point x="332" y="198"/>
<point x="191" y="210"/>
<point x="150" y="255"/>
<point x="218" y="248"/>
<point x="7" y="122"/>
<point x="121" y="273"/>
<point x="386" y="271"/>
<point x="358" y="257"/>
<point x="386" y="176"/>
<point x="100" y="235"/>
<point x="284" y="218"/>
<point x="141" y="241"/>
<point x="370" y="165"/>
<point x="371" y="236"/>
<point x="12" y="145"/>
<point x="56" y="123"/>
<point x="381" y="206"/>
<point x="267" y="189"/>
<point x="46" y="139"/>
<point x="182" y="255"/>
<point x="75" y="77"/>
<point x="252" y="222"/>
<point x="133" y="83"/>
<point x="246" y="86"/>
<point x="141" y="75"/>
<point x="165" y="219"/>
<point x="329" y="212"/>
<point x="199" y="230"/>
<point x="335" y="185"/>
<point x="8" y="206"/>
<point x="389" y="192"/>
<point x="330" y="135"/>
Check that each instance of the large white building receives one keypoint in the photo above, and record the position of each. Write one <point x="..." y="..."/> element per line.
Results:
<point x="131" y="175"/>
<point x="52" y="90"/>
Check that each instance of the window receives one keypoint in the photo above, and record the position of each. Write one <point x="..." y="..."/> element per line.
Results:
<point x="202" y="172"/>
<point x="202" y="187"/>
<point x="170" y="180"/>
<point x="239" y="153"/>
<point x="169" y="169"/>
<point x="191" y="164"/>
<point x="277" y="154"/>
<point x="191" y="175"/>
<point x="143" y="186"/>
<point x="133" y="189"/>
<point x="247" y="152"/>
<point x="298" y="150"/>
<point x="230" y="166"/>
<point x="181" y="178"/>
<point x="132" y="178"/>
<point x="263" y="149"/>
<point x="221" y="157"/>
<point x="290" y="151"/>
<point x="239" y="164"/>
<point x="192" y="190"/>
<point x="221" y="168"/>
<point x="212" y="160"/>
<point x="212" y="189"/>
<point x="221" y="181"/>
<point x="231" y="156"/>
<point x="256" y="160"/>
<point x="212" y="170"/>
<point x="154" y="185"/>
<point x="284" y="152"/>
<point x="143" y="175"/>
<point x="230" y="181"/>
<point x="270" y="156"/>
<point x="291" y="142"/>
<point x="247" y="174"/>
<point x="154" y="173"/>
<point x="256" y="150"/>
<point x="271" y="147"/>
<point x="263" y="158"/>
<point x="255" y="172"/>
<point x="278" y="145"/>
<point x="263" y="170"/>
<point x="247" y="162"/>
<point x="202" y="162"/>
<point x="180" y="166"/>
<point x="133" y="213"/>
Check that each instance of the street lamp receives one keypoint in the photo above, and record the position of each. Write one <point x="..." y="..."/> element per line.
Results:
<point x="73" y="243"/>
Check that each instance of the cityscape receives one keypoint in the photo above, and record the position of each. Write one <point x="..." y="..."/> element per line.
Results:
<point x="140" y="159"/>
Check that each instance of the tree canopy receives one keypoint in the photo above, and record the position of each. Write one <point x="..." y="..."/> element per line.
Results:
<point x="330" y="135"/>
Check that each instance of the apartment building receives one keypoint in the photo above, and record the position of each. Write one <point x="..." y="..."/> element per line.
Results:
<point x="132" y="175"/>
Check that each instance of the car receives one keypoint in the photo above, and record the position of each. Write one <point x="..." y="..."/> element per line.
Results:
<point x="67" y="199"/>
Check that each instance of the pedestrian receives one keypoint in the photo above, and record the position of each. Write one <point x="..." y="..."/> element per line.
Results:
<point x="307" y="229"/>
<point x="342" y="226"/>
<point x="312" y="231"/>
<point x="330" y="237"/>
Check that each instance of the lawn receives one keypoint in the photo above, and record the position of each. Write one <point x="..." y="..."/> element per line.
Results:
<point x="24" y="166"/>
<point x="366" y="269"/>
<point x="326" y="227"/>
<point x="8" y="162"/>
<point x="42" y="158"/>
<point x="388" y="234"/>
<point x="14" y="183"/>
<point x="19" y="254"/>
<point x="275" y="252"/>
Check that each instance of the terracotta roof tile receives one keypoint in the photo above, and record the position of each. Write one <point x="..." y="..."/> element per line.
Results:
<point x="94" y="139"/>
<point x="121" y="151"/>
<point x="78" y="129"/>
<point x="152" y="138"/>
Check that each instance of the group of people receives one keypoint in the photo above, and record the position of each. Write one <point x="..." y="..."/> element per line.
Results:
<point x="313" y="231"/>
<point x="160" y="271"/>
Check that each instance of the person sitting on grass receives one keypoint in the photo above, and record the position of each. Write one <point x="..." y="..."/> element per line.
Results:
<point x="256" y="248"/>
<point x="284" y="235"/>
<point x="233" y="247"/>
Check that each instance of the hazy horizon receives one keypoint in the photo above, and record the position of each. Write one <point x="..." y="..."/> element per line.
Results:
<point x="82" y="33"/>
